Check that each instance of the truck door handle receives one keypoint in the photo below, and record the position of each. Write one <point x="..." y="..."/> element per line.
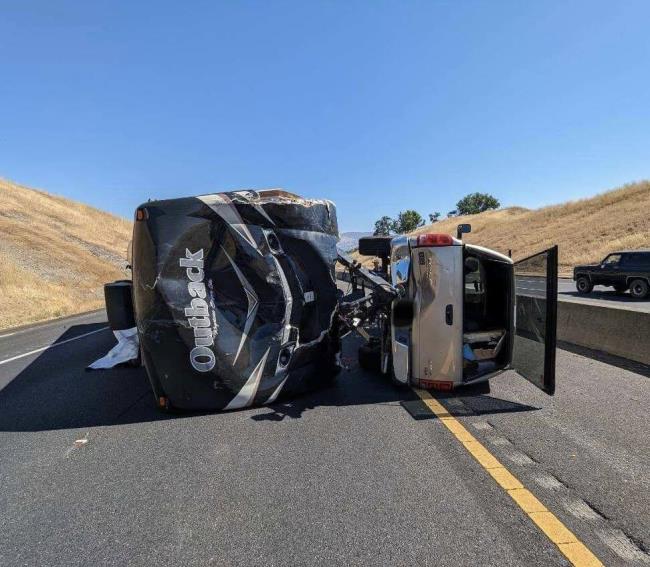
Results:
<point x="449" y="314"/>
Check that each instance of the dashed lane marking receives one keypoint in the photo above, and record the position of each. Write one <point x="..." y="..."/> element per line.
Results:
<point x="623" y="546"/>
<point x="499" y="441"/>
<point x="548" y="481"/>
<point x="482" y="425"/>
<point x="519" y="458"/>
<point x="568" y="544"/>
<point x="580" y="509"/>
<point x="41" y="349"/>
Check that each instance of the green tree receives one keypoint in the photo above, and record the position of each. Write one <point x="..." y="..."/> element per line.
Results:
<point x="433" y="217"/>
<point x="475" y="203"/>
<point x="384" y="226"/>
<point x="408" y="221"/>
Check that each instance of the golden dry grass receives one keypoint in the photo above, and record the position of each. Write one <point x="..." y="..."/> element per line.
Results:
<point x="585" y="230"/>
<point x="56" y="255"/>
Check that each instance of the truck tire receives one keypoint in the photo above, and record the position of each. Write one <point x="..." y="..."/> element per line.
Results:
<point x="584" y="285"/>
<point x="119" y="305"/>
<point x="375" y="246"/>
<point x="639" y="289"/>
<point x="370" y="357"/>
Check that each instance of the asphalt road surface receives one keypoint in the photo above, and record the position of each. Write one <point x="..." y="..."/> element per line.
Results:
<point x="92" y="473"/>
<point x="601" y="295"/>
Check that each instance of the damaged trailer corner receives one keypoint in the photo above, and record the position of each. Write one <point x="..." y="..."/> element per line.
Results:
<point x="235" y="297"/>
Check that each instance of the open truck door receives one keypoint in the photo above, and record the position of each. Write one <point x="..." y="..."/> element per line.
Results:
<point x="535" y="321"/>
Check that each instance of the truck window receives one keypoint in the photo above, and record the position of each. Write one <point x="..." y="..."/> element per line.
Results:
<point x="629" y="260"/>
<point x="612" y="260"/>
<point x="636" y="260"/>
<point x="474" y="285"/>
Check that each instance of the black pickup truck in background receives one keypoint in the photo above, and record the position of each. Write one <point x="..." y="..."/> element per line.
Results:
<point x="627" y="269"/>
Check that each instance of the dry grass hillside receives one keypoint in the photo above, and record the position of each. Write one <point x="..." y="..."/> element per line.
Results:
<point x="585" y="230"/>
<point x="56" y="255"/>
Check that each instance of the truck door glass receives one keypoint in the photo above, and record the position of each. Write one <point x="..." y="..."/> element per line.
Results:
<point x="636" y="261"/>
<point x="536" y="319"/>
<point x="400" y="261"/>
<point x="401" y="270"/>
<point x="474" y="294"/>
<point x="611" y="260"/>
<point x="474" y="284"/>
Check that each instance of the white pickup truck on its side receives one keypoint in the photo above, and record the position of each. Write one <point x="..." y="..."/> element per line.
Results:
<point x="459" y="320"/>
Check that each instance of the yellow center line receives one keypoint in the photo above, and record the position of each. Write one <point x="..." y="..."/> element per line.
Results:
<point x="572" y="548"/>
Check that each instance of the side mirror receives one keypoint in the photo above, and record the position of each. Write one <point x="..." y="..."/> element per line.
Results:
<point x="463" y="229"/>
<point x="403" y="313"/>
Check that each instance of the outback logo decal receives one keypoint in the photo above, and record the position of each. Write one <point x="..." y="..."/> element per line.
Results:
<point x="202" y="356"/>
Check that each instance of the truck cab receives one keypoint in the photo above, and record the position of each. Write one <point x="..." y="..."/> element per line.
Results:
<point x="468" y="321"/>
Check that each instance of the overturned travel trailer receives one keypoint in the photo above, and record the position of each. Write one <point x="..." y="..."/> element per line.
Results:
<point x="234" y="296"/>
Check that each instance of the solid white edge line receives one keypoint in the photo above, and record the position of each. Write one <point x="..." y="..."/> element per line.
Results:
<point x="51" y="346"/>
<point x="38" y="325"/>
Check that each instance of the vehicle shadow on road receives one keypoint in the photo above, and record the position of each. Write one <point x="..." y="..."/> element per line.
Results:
<point x="606" y="295"/>
<point x="465" y="403"/>
<point x="484" y="405"/>
<point x="458" y="405"/>
<point x="53" y="391"/>
<point x="352" y="387"/>
<point x="356" y="386"/>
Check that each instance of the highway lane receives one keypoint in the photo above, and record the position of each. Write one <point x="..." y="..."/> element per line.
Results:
<point x="21" y="341"/>
<point x="601" y="295"/>
<point x="92" y="472"/>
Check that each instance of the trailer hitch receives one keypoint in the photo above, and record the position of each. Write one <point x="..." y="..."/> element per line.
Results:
<point x="376" y="301"/>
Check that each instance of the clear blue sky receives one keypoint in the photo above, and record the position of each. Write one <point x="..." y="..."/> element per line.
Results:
<point x="378" y="106"/>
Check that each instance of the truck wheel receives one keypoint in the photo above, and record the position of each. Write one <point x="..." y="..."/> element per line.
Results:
<point x="375" y="246"/>
<point x="639" y="289"/>
<point x="620" y="288"/>
<point x="584" y="285"/>
<point x="370" y="358"/>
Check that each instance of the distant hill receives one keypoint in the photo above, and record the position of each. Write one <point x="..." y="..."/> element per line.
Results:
<point x="56" y="255"/>
<point x="585" y="230"/>
<point x="350" y="240"/>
